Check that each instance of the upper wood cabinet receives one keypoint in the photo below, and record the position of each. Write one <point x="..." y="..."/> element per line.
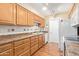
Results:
<point x="36" y="17"/>
<point x="21" y="15"/>
<point x="30" y="18"/>
<point x="42" y="22"/>
<point x="14" y="14"/>
<point x="7" y="13"/>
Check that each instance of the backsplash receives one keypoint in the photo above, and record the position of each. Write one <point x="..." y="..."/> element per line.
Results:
<point x="6" y="30"/>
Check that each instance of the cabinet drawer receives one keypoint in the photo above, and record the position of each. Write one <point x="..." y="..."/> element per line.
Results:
<point x="34" y="43"/>
<point x="34" y="48"/>
<point x="19" y="49"/>
<point x="7" y="53"/>
<point x="20" y="42"/>
<point x="27" y="46"/>
<point x="40" y="45"/>
<point x="33" y="37"/>
<point x="27" y="40"/>
<point x="34" y="40"/>
<point x="36" y="37"/>
<point x="5" y="47"/>
<point x="26" y="53"/>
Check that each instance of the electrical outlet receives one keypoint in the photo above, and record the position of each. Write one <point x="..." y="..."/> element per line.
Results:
<point x="24" y="29"/>
<point x="8" y="30"/>
<point x="12" y="30"/>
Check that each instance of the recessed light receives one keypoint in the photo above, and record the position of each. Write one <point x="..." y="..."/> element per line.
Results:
<point x="44" y="8"/>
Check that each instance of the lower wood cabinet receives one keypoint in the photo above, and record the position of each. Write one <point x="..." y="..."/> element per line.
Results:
<point x="41" y="41"/>
<point x="22" y="47"/>
<point x="19" y="49"/>
<point x="26" y="53"/>
<point x="7" y="53"/>
<point x="6" y="49"/>
<point x="34" y="49"/>
<point x="34" y="44"/>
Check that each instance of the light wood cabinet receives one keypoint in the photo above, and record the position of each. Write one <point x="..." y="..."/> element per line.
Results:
<point x="34" y="44"/>
<point x="7" y="53"/>
<point x="7" y="13"/>
<point x="42" y="23"/>
<point x="21" y="15"/>
<point x="36" y="18"/>
<point x="34" y="49"/>
<point x="41" y="41"/>
<point x="30" y="19"/>
<point x="22" y="47"/>
<point x="40" y="20"/>
<point x="19" y="42"/>
<point x="19" y="49"/>
<point x="14" y="14"/>
<point x="26" y="53"/>
<point x="6" y="49"/>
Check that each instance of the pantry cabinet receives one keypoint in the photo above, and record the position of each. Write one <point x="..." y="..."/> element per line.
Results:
<point x="7" y="13"/>
<point x="21" y="15"/>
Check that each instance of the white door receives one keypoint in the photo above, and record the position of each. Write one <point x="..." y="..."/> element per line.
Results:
<point x="54" y="31"/>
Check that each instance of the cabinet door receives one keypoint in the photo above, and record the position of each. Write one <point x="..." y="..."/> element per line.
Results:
<point x="34" y="49"/>
<point x="26" y="53"/>
<point x="19" y="49"/>
<point x="30" y="19"/>
<point x="22" y="47"/>
<point x="7" y="13"/>
<point x="42" y="22"/>
<point x="7" y="53"/>
<point x="36" y="18"/>
<point x="41" y="40"/>
<point x="21" y="15"/>
<point x="5" y="47"/>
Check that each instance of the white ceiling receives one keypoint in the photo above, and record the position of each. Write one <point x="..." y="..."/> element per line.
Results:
<point x="52" y="8"/>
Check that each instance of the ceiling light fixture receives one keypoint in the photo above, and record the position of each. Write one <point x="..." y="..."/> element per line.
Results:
<point x="44" y="8"/>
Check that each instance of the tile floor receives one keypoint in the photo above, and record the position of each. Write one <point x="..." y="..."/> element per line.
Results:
<point x="50" y="49"/>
